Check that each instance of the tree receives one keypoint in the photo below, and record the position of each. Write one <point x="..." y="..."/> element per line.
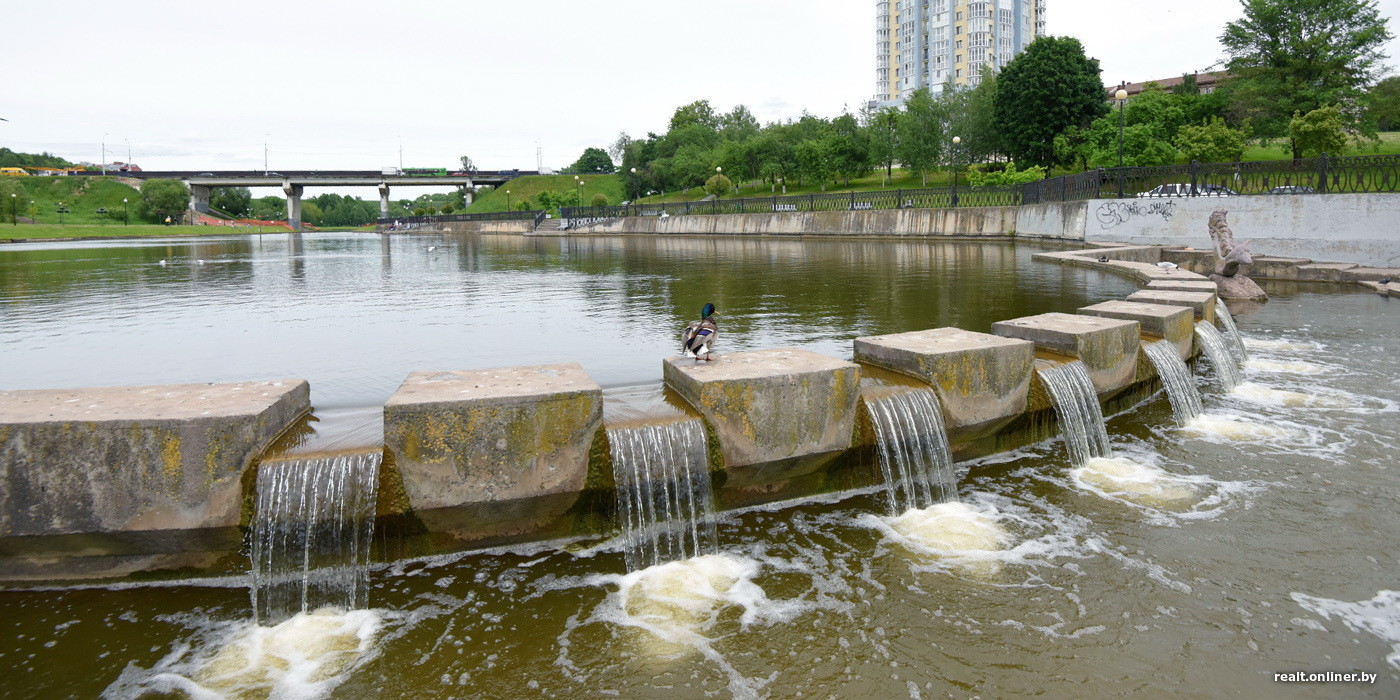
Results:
<point x="1295" y="56"/>
<point x="717" y="185"/>
<point x="1383" y="104"/>
<point x="1212" y="142"/>
<point x="618" y="149"/>
<point x="1049" y="88"/>
<point x="1320" y="131"/>
<point x="467" y="164"/>
<point x="234" y="200"/>
<point x="920" y="133"/>
<point x="165" y="197"/>
<point x="884" y="141"/>
<point x="593" y="160"/>
<point x="598" y="200"/>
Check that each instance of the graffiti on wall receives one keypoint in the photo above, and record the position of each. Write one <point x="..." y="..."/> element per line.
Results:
<point x="1114" y="213"/>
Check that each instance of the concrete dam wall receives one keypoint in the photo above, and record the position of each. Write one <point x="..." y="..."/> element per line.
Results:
<point x="103" y="483"/>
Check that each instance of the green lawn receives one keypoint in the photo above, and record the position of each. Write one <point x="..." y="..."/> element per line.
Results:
<point x="529" y="187"/>
<point x="873" y="181"/>
<point x="1277" y="149"/>
<point x="119" y="231"/>
<point x="82" y="196"/>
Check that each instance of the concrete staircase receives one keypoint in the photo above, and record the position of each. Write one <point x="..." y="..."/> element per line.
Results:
<point x="548" y="226"/>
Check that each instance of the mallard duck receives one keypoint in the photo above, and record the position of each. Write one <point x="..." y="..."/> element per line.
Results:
<point x="699" y="336"/>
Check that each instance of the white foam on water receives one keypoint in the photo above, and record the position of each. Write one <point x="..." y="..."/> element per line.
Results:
<point x="1379" y="616"/>
<point x="1165" y="497"/>
<point x="1221" y="427"/>
<point x="1281" y="344"/>
<point x="1259" y="393"/>
<point x="1259" y="364"/>
<point x="306" y="656"/>
<point x="1120" y="478"/>
<point x="677" y="608"/>
<point x="968" y="538"/>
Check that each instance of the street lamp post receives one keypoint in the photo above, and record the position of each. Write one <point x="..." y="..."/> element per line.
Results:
<point x="509" y="207"/>
<point x="61" y="211"/>
<point x="1122" y="96"/>
<point x="14" y="209"/>
<point x="104" y="153"/>
<point x="956" y="140"/>
<point x="580" y="192"/>
<point x="635" y="195"/>
<point x="126" y="220"/>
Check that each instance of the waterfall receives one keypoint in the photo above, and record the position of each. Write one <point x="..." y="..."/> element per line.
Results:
<point x="663" y="492"/>
<point x="1178" y="380"/>
<point x="311" y="534"/>
<point x="1236" y="340"/>
<point x="1077" y="405"/>
<point x="1214" y="344"/>
<point x="914" y="453"/>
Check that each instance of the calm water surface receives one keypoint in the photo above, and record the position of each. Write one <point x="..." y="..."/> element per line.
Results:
<point x="1279" y="551"/>
<point x="355" y="313"/>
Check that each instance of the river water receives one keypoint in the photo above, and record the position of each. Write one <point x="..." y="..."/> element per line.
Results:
<point x="1260" y="538"/>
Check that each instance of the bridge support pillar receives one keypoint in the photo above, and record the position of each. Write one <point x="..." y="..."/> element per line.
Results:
<point x="383" y="200"/>
<point x="199" y="198"/>
<point x="293" y="204"/>
<point x="467" y="191"/>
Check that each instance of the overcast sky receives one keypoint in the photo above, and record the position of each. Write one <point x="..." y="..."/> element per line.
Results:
<point x="345" y="83"/>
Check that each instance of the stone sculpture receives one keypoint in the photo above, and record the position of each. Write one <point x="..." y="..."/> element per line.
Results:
<point x="1229" y="283"/>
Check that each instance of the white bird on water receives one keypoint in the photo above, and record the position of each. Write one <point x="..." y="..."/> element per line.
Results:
<point x="1167" y="266"/>
<point x="162" y="263"/>
<point x="432" y="248"/>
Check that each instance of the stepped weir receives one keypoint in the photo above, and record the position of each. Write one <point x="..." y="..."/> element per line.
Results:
<point x="1077" y="405"/>
<point x="663" y="492"/>
<point x="1236" y="340"/>
<point x="915" y="458"/>
<point x="1225" y="365"/>
<point x="311" y="534"/>
<point x="1178" y="380"/>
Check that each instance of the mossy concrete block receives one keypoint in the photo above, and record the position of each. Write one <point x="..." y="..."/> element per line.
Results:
<point x="769" y="406"/>
<point x="982" y="380"/>
<point x="1176" y="324"/>
<point x="1201" y="303"/>
<point x="492" y="435"/>
<point x="1183" y="286"/>
<point x="1108" y="347"/>
<point x="136" y="458"/>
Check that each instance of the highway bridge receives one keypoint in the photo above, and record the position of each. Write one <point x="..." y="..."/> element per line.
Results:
<point x="293" y="182"/>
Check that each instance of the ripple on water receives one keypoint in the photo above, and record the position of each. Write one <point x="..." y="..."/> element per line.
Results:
<point x="1259" y="364"/>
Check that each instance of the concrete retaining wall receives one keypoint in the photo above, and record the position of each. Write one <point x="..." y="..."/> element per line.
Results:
<point x="970" y="221"/>
<point x="1355" y="228"/>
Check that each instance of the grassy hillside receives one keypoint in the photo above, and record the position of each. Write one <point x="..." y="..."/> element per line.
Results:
<point x="529" y="188"/>
<point x="1277" y="149"/>
<point x="83" y="196"/>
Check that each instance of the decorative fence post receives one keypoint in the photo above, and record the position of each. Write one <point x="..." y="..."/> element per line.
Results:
<point x="811" y="202"/>
<point x="1322" y="180"/>
<point x="1195" y="175"/>
<point x="899" y="199"/>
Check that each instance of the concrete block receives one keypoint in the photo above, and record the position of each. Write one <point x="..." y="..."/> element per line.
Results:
<point x="1326" y="272"/>
<point x="1173" y="323"/>
<point x="982" y="380"/>
<point x="135" y="458"/>
<point x="1183" y="286"/>
<point x="771" y="405"/>
<point x="492" y="435"/>
<point x="1202" y="303"/>
<point x="1274" y="268"/>
<point x="1108" y="347"/>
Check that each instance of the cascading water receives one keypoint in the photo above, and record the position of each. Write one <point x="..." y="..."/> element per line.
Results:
<point x="1228" y="321"/>
<point x="1177" y="378"/>
<point x="1077" y="405"/>
<point x="1225" y="366"/>
<point x="914" y="453"/>
<point x="663" y="492"/>
<point x="311" y="534"/>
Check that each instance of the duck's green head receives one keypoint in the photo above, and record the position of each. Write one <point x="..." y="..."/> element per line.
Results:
<point x="708" y="311"/>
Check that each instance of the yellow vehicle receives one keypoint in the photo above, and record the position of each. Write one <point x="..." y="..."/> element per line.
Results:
<point x="13" y="172"/>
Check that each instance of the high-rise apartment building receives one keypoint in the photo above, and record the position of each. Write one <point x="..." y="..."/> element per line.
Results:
<point x="925" y="43"/>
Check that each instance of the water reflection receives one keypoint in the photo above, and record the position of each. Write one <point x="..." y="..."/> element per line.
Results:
<point x="312" y="306"/>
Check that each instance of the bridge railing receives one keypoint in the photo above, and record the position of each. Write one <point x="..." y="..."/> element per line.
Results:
<point x="535" y="215"/>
